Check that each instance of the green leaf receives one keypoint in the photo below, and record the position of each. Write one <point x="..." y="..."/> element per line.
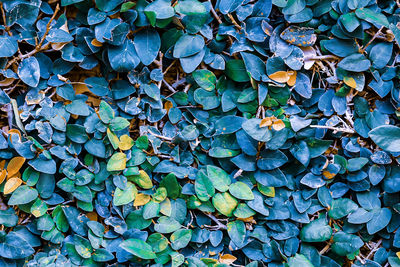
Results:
<point x="355" y="62"/>
<point x="299" y="260"/>
<point x="117" y="162"/>
<point x="29" y="71"/>
<point x="158" y="242"/>
<point x="345" y="244"/>
<point x="8" y="218"/>
<point x="386" y="137"/>
<point x="180" y="238"/>
<point x="316" y="231"/>
<point x="188" y="45"/>
<point x="219" y="178"/>
<point x="166" y="225"/>
<point x="162" y="9"/>
<point x="123" y="197"/>
<point x="106" y="112"/>
<point x="378" y="19"/>
<point x="171" y="184"/>
<point x="147" y="43"/>
<point x="138" y="248"/>
<point x="225" y="203"/>
<point x="13" y="246"/>
<point x="8" y="46"/>
<point x="203" y="186"/>
<point x="342" y="207"/>
<point x="102" y="255"/>
<point x="236" y="70"/>
<point x="241" y="190"/>
<point x="143" y="180"/>
<point x="118" y="124"/>
<point x="237" y="232"/>
<point x="205" y="79"/>
<point x="23" y="195"/>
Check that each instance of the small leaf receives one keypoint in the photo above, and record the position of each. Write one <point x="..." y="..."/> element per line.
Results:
<point x="11" y="185"/>
<point x="117" y="162"/>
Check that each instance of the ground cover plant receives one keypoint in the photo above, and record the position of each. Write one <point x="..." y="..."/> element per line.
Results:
<point x="199" y="133"/>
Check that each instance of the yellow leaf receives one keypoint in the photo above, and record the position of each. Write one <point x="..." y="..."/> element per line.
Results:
<point x="398" y="254"/>
<point x="117" y="162"/>
<point x="2" y="164"/>
<point x="11" y="185"/>
<point x="227" y="259"/>
<point x="280" y="77"/>
<point x="141" y="199"/>
<point x="3" y="175"/>
<point x="36" y="213"/>
<point x="293" y="77"/>
<point x="278" y="125"/>
<point x="349" y="81"/>
<point x="143" y="180"/>
<point x="14" y="165"/>
<point x="266" y="122"/>
<point x="126" y="142"/>
<point x="113" y="139"/>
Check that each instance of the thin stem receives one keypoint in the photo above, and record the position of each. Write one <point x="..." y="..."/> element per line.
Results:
<point x="334" y="129"/>
<point x="214" y="13"/>
<point x="372" y="39"/>
<point x="160" y="136"/>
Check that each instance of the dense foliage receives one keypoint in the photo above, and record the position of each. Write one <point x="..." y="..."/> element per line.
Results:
<point x="200" y="133"/>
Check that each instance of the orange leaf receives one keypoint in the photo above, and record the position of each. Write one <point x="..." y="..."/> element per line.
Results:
<point x="2" y="164"/>
<point x="92" y="216"/>
<point x="328" y="175"/>
<point x="3" y="175"/>
<point x="293" y="77"/>
<point x="11" y="185"/>
<point x="266" y="122"/>
<point x="280" y="76"/>
<point x="14" y="165"/>
<point x="96" y="43"/>
<point x="168" y="105"/>
<point x="227" y="259"/>
<point x="278" y="125"/>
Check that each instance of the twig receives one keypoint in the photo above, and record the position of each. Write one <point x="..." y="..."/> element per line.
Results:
<point x="170" y="65"/>
<point x="160" y="136"/>
<point x="324" y="57"/>
<point x="234" y="21"/>
<point x="214" y="13"/>
<point x="10" y="115"/>
<point x="169" y="86"/>
<point x="191" y="219"/>
<point x="325" y="249"/>
<point x="38" y="47"/>
<point x="48" y="27"/>
<point x="376" y="246"/>
<point x="335" y="129"/>
<point x="219" y="224"/>
<point x="372" y="39"/>
<point x="3" y="14"/>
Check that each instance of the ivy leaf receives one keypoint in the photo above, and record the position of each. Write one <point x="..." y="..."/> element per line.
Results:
<point x="138" y="248"/>
<point x="387" y="137"/>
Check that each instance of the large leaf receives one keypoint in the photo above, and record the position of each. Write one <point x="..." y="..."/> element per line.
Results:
<point x="139" y="248"/>
<point x="387" y="137"/>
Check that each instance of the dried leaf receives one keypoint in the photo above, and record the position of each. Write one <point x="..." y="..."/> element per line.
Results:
<point x="11" y="185"/>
